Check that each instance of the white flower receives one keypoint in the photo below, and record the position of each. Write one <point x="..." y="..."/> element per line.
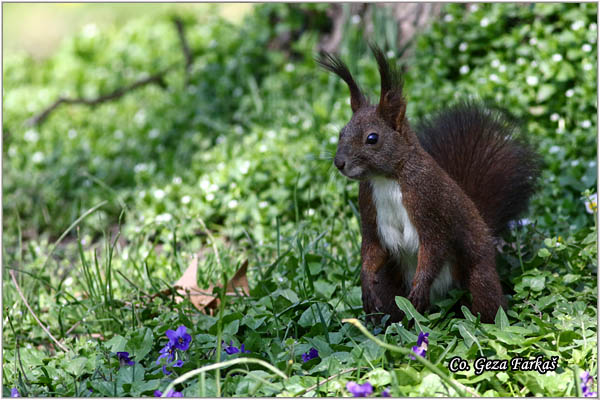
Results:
<point x="333" y="139"/>
<point x="12" y="151"/>
<point x="210" y="197"/>
<point x="142" y="194"/>
<point x="390" y="54"/>
<point x="232" y="203"/>
<point x="37" y="157"/>
<point x="448" y="18"/>
<point x="533" y="41"/>
<point x="306" y="124"/>
<point x="464" y="69"/>
<point x="72" y="133"/>
<point x="355" y="19"/>
<point x="587" y="67"/>
<point x="495" y="63"/>
<point x="214" y="187"/>
<point x="494" y="78"/>
<point x="159" y="194"/>
<point x="586" y="124"/>
<point x="140" y="117"/>
<point x="244" y="167"/>
<point x="474" y="7"/>
<point x="532" y="80"/>
<point x="574" y="163"/>
<point x="554" y="149"/>
<point x="569" y="93"/>
<point x="294" y="119"/>
<point x="577" y="25"/>
<point x="177" y="180"/>
<point x="534" y="64"/>
<point x="220" y="139"/>
<point x="140" y="168"/>
<point x="262" y="148"/>
<point x="592" y="164"/>
<point x="502" y="68"/>
<point x="204" y="184"/>
<point x="557" y="57"/>
<point x="90" y="30"/>
<point x="213" y="43"/>
<point x="186" y="199"/>
<point x="263" y="204"/>
<point x="289" y="67"/>
<point x="238" y="130"/>
<point x="593" y="26"/>
<point x="520" y="61"/>
<point x="165" y="217"/>
<point x="484" y="22"/>
<point x="586" y="47"/>
<point x="154" y="133"/>
<point x="311" y="212"/>
<point x="271" y="133"/>
<point x="591" y="204"/>
<point x="68" y="281"/>
<point x="463" y="46"/>
<point x="31" y="136"/>
<point x="554" y="117"/>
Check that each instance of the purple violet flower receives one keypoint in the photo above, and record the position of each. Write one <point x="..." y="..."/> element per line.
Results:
<point x="364" y="390"/>
<point x="312" y="353"/>
<point x="14" y="393"/>
<point x="421" y="348"/>
<point x="168" y="351"/>
<point x="586" y="385"/>
<point x="179" y="338"/>
<point x="386" y="393"/>
<point x="231" y="349"/>
<point x="178" y="363"/>
<point x="172" y="393"/>
<point x="123" y="357"/>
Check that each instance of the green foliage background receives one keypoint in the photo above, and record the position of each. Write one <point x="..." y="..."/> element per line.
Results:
<point x="245" y="145"/>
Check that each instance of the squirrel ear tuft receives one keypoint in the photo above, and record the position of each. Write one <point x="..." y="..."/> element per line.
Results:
<point x="392" y="106"/>
<point x="334" y="64"/>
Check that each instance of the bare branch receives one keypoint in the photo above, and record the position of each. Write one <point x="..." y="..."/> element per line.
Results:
<point x="184" y="46"/>
<point x="157" y="78"/>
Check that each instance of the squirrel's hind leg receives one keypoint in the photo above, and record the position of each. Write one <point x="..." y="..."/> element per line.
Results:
<point x="486" y="291"/>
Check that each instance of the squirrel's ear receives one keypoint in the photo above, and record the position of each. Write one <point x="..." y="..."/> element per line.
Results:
<point x="334" y="64"/>
<point x="392" y="106"/>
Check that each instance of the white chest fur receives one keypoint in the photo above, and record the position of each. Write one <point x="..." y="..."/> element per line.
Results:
<point x="398" y="234"/>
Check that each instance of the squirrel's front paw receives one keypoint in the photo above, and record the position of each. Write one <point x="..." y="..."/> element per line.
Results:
<point x="419" y="300"/>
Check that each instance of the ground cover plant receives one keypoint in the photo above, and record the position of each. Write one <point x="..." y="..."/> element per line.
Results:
<point x="227" y="157"/>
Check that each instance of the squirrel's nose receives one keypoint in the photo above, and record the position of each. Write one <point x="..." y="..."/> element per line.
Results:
<point x="339" y="163"/>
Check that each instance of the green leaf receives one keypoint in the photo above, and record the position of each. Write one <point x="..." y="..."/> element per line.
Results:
<point x="141" y="343"/>
<point x="411" y="313"/>
<point x="501" y="319"/>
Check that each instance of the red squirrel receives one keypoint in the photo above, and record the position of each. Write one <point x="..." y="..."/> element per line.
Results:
<point x="430" y="204"/>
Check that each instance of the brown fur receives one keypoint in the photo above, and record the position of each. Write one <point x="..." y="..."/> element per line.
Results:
<point x="448" y="222"/>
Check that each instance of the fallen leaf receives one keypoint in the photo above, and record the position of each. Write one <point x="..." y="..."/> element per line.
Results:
<point x="237" y="284"/>
<point x="203" y="299"/>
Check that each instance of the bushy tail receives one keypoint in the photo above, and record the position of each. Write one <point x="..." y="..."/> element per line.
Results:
<point x="480" y="149"/>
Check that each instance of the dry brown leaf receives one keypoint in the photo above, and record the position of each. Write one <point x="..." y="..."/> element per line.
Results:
<point x="203" y="299"/>
<point x="236" y="286"/>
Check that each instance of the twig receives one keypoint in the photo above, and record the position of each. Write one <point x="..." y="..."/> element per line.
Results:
<point x="184" y="46"/>
<point x="117" y="93"/>
<point x="63" y="348"/>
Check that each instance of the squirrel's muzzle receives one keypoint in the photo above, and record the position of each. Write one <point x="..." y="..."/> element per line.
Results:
<point x="340" y="162"/>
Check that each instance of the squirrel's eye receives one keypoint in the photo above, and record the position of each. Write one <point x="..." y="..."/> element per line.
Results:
<point x="372" y="138"/>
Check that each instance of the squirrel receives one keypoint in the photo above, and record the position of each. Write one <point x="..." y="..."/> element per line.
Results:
<point x="430" y="204"/>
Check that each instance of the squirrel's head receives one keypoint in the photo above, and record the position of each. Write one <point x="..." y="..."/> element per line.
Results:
<point x="377" y="136"/>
